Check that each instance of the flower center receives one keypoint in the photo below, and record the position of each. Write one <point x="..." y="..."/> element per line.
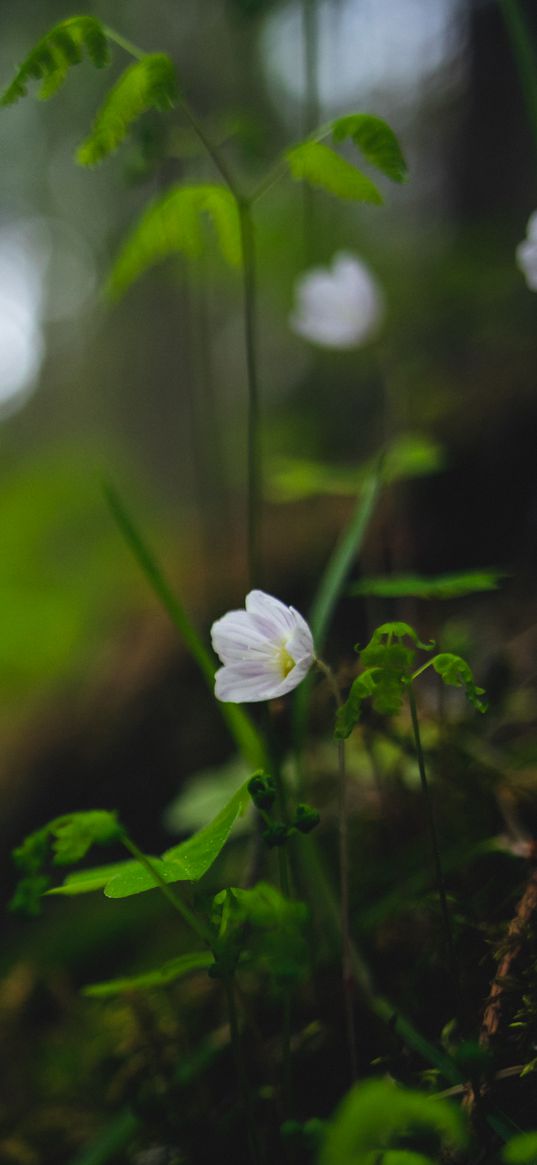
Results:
<point x="286" y="662"/>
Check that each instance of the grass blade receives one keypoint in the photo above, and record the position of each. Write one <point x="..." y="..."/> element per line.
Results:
<point x="331" y="586"/>
<point x="245" y="734"/>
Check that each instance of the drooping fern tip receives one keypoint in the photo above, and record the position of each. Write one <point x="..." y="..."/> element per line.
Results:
<point x="55" y="53"/>
<point x="147" y="84"/>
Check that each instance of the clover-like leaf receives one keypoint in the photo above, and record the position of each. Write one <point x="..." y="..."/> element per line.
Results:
<point x="319" y="166"/>
<point x="375" y="1114"/>
<point x="58" y="50"/>
<point x="376" y="140"/>
<point x="265" y="929"/>
<point x="186" y="862"/>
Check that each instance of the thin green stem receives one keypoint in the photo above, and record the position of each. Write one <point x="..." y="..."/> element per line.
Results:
<point x="249" y="299"/>
<point x="310" y="38"/>
<point x="175" y="901"/>
<point x="212" y="150"/>
<point x="285" y="886"/>
<point x="246" y="1098"/>
<point x="253" y="426"/>
<point x="525" y="56"/>
<point x="125" y="44"/>
<point x="420" y="670"/>
<point x="439" y="876"/>
<point x="343" y="812"/>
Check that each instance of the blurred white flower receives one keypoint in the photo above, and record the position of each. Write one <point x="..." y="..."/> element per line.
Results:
<point x="338" y="307"/>
<point x="266" y="650"/>
<point x="526" y="253"/>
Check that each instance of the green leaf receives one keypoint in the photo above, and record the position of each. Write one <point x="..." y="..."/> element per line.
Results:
<point x="376" y="140"/>
<point x="404" y="1157"/>
<point x="349" y="714"/>
<point x="412" y="455"/>
<point x="393" y="661"/>
<point x="51" y="58"/>
<point x="265" y="928"/>
<point x="243" y="731"/>
<point x="76" y="833"/>
<point x="86" y="881"/>
<point x="455" y="671"/>
<point x="147" y="84"/>
<point x="398" y="631"/>
<point x="159" y="977"/>
<point x="186" y="862"/>
<point x="321" y="167"/>
<point x="296" y="478"/>
<point x="442" y="586"/>
<point x="173" y="225"/>
<point x="374" y="1114"/>
<point x="331" y="584"/>
<point x="521" y="1150"/>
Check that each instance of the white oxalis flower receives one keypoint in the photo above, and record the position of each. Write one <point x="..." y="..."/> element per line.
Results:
<point x="266" y="650"/>
<point x="338" y="307"/>
<point x="526" y="253"/>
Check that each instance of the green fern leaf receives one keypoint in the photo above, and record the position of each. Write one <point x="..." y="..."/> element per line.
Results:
<point x="320" y="166"/>
<point x="148" y="84"/>
<point x="174" y="225"/>
<point x="51" y="58"/>
<point x="376" y="140"/>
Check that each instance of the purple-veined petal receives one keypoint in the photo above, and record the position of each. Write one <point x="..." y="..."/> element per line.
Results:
<point x="245" y="683"/>
<point x="235" y="637"/>
<point x="269" y="616"/>
<point x="300" y="644"/>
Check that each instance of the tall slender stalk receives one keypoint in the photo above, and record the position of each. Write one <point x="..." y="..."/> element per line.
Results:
<point x="346" y="948"/>
<point x="243" y="205"/>
<point x="525" y="56"/>
<point x="254" y="435"/>
<point x="172" y="897"/>
<point x="310" y="40"/>
<point x="439" y="876"/>
<point x="246" y="1098"/>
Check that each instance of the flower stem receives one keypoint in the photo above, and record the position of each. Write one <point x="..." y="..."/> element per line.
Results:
<point x="249" y="300"/>
<point x="524" y="54"/>
<point x="346" y="954"/>
<point x="439" y="876"/>
<point x="254" y="442"/>
<point x="310" y="38"/>
<point x="241" y="1072"/>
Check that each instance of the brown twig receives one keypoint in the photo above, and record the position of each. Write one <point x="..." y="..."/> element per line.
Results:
<point x="525" y="911"/>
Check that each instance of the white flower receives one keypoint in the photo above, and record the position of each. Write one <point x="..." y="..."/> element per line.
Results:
<point x="266" y="650"/>
<point x="341" y="307"/>
<point x="526" y="253"/>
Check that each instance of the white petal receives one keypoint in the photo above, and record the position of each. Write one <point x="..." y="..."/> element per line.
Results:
<point x="244" y="683"/>
<point x="300" y="645"/>
<point x="236" y="637"/>
<point x="531" y="229"/>
<point x="269" y="616"/>
<point x="526" y="256"/>
<point x="338" y="308"/>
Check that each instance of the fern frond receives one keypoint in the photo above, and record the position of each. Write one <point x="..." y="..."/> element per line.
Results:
<point x="175" y="225"/>
<point x="51" y="58"/>
<point x="148" y="84"/>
